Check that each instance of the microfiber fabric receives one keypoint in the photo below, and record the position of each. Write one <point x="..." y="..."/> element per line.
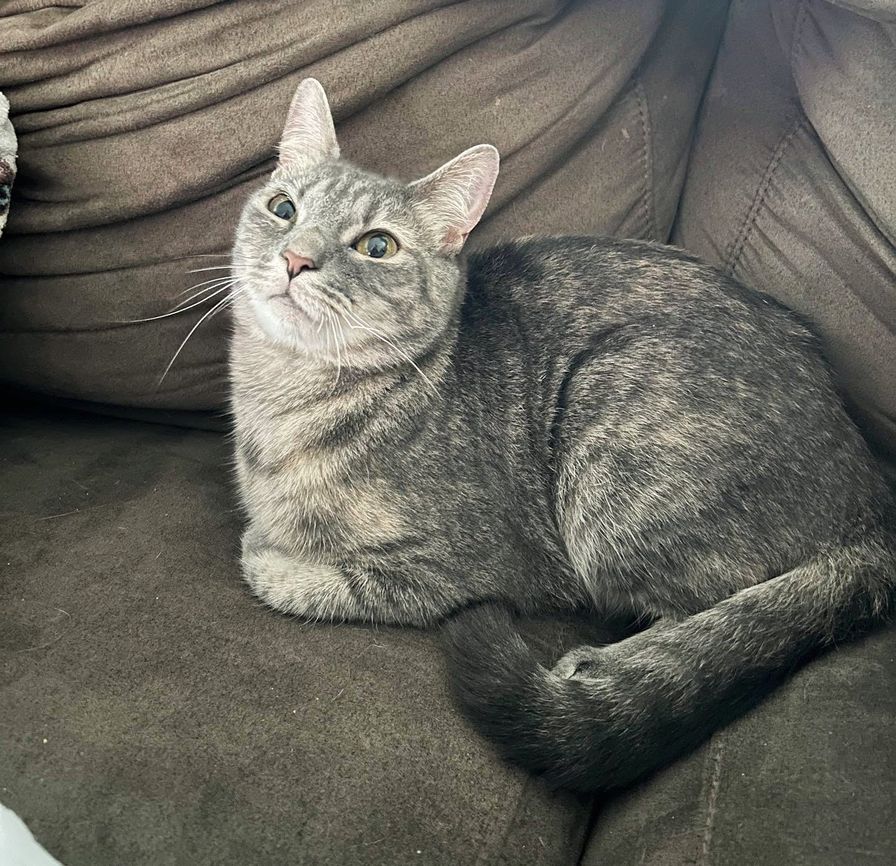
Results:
<point x="792" y="183"/>
<point x="143" y="127"/>
<point x="152" y="713"/>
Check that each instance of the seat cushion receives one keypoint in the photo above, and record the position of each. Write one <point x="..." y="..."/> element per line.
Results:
<point x="805" y="779"/>
<point x="143" y="127"/>
<point x="151" y="712"/>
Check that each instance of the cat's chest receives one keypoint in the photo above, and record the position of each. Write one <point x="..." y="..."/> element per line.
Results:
<point x="318" y="502"/>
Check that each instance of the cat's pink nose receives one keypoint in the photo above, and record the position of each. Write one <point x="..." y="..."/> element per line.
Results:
<point x="295" y="264"/>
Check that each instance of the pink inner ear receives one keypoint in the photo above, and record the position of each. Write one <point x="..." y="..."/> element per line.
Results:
<point x="480" y="193"/>
<point x="308" y="132"/>
<point x="455" y="196"/>
<point x="454" y="240"/>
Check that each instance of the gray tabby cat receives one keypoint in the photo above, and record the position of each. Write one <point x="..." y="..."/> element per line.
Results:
<point x="553" y="424"/>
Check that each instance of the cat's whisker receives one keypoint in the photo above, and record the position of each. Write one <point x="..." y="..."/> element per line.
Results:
<point x="330" y="330"/>
<point x="213" y="286"/>
<point x="338" y="321"/>
<point x="388" y="342"/>
<point x="200" y="298"/>
<point x="230" y="267"/>
<point x="201" y="256"/>
<point x="217" y="307"/>
<point x="204" y="283"/>
<point x="188" y="258"/>
<point x="335" y="324"/>
<point x="209" y="286"/>
<point x="178" y="310"/>
<point x="326" y="321"/>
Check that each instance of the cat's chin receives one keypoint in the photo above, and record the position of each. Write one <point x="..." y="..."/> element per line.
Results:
<point x="289" y="322"/>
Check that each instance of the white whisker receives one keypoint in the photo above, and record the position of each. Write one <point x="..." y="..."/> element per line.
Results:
<point x="338" y="322"/>
<point x="220" y="268"/>
<point x="212" y="286"/>
<point x="326" y="321"/>
<point x="218" y="283"/>
<point x="218" y="306"/>
<point x="332" y="316"/>
<point x="388" y="342"/>
<point x="204" y="283"/>
<point x="180" y="309"/>
<point x="330" y="331"/>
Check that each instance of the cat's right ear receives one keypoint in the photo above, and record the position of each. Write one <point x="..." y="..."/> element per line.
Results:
<point x="309" y="136"/>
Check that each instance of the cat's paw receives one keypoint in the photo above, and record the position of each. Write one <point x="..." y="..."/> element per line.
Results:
<point x="581" y="663"/>
<point x="295" y="586"/>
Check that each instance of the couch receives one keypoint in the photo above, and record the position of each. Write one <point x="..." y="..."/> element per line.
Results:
<point x="151" y="712"/>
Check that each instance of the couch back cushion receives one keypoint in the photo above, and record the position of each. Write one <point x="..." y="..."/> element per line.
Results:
<point x="143" y="127"/>
<point x="792" y="183"/>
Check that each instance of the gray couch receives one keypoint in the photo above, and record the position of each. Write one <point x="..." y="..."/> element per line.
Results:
<point x="150" y="711"/>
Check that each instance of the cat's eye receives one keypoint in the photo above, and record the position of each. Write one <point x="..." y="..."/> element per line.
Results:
<point x="376" y="245"/>
<point x="281" y="205"/>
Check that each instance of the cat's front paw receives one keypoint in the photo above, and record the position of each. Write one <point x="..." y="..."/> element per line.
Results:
<point x="581" y="663"/>
<point x="296" y="586"/>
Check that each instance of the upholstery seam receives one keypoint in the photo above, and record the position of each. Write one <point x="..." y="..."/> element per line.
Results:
<point x="740" y="241"/>
<point x="501" y="842"/>
<point x="712" y="798"/>
<point x="795" y="46"/>
<point x="759" y="199"/>
<point x="647" y="201"/>
<point x="797" y="42"/>
<point x="696" y="134"/>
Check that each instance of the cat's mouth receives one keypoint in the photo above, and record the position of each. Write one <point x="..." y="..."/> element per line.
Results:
<point x="296" y="312"/>
<point x="300" y="311"/>
<point x="302" y="301"/>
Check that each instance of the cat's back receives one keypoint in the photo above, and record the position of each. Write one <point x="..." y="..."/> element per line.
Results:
<point x="638" y="349"/>
<point x="567" y="279"/>
<point x="649" y="321"/>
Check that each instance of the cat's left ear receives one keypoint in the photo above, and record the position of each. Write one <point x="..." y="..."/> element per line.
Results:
<point x="453" y="198"/>
<point x="309" y="136"/>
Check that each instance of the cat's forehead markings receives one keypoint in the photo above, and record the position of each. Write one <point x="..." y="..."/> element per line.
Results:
<point x="348" y="196"/>
<point x="364" y="207"/>
<point x="320" y="187"/>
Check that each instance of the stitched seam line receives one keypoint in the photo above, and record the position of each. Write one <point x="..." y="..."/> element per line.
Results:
<point x="647" y="203"/>
<point x="712" y="800"/>
<point x="797" y="41"/>
<point x="498" y="841"/>
<point x="740" y="241"/>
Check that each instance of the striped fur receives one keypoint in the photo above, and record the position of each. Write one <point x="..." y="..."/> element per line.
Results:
<point x="552" y="424"/>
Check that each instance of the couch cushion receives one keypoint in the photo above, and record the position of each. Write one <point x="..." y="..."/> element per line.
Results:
<point x="144" y="125"/>
<point x="152" y="713"/>
<point x="792" y="185"/>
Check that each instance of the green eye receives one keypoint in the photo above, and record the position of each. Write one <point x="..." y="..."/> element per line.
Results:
<point x="376" y="245"/>
<point x="281" y="206"/>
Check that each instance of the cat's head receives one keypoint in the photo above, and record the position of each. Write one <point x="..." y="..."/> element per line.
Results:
<point x="332" y="259"/>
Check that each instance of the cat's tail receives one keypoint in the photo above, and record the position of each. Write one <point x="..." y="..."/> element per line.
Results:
<point x="606" y="716"/>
